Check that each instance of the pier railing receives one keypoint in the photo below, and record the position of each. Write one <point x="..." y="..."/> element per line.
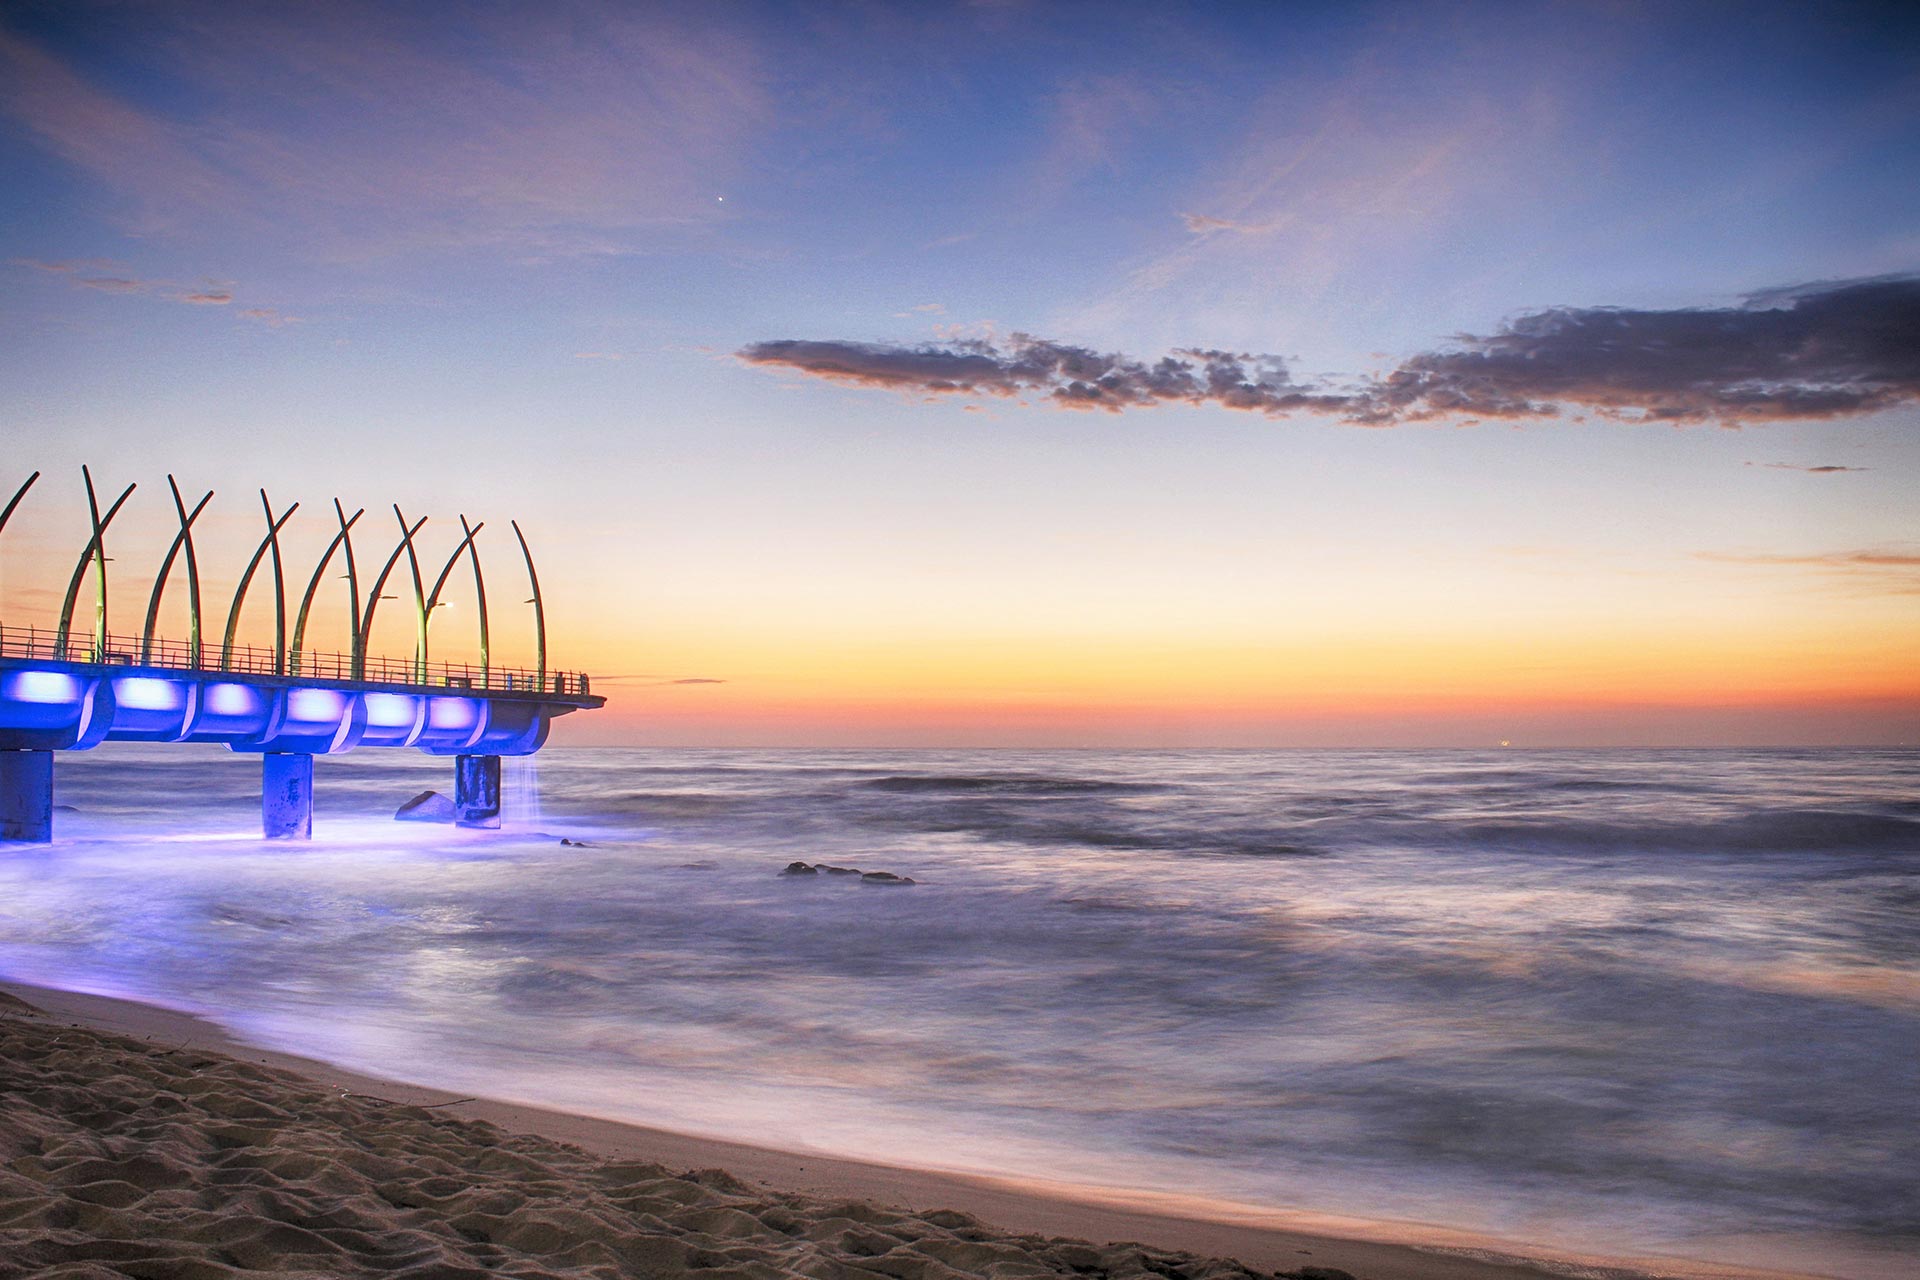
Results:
<point x="254" y="660"/>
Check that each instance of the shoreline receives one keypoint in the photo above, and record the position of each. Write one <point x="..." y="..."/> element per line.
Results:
<point x="1260" y="1239"/>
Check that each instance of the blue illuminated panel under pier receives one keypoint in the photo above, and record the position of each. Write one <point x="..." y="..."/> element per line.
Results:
<point x="67" y="708"/>
<point x="50" y="706"/>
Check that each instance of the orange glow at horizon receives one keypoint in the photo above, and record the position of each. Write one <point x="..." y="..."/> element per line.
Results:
<point x="1823" y="681"/>
<point x="1352" y="648"/>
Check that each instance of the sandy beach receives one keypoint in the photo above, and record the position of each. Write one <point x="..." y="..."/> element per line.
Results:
<point x="141" y="1141"/>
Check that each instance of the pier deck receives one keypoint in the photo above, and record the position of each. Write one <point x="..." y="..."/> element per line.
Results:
<point x="286" y="708"/>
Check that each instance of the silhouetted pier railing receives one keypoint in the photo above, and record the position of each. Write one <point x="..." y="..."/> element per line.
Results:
<point x="256" y="660"/>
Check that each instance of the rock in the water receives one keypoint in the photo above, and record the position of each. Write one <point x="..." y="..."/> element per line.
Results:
<point x="885" y="877"/>
<point x="1315" y="1273"/>
<point x="799" y="869"/>
<point x="838" y="871"/>
<point x="428" y="806"/>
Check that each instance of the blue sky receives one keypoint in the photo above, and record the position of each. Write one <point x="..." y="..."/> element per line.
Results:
<point x="503" y="259"/>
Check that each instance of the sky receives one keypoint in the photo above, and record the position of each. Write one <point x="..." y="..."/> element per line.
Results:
<point x="1008" y="374"/>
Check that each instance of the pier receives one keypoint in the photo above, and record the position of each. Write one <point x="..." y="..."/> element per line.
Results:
<point x="65" y="691"/>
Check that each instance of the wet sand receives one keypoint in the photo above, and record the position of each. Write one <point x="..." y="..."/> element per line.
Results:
<point x="140" y="1141"/>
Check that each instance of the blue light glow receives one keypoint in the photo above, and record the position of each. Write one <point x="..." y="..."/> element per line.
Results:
<point x="323" y="706"/>
<point x="143" y="693"/>
<point x="452" y="713"/>
<point x="389" y="710"/>
<point x="43" y="686"/>
<point x="231" y="700"/>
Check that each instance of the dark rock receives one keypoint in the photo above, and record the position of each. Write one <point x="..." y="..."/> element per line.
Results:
<point x="575" y="844"/>
<point x="885" y="877"/>
<point x="64" y="808"/>
<point x="799" y="869"/>
<point x="428" y="806"/>
<point x="838" y="871"/>
<point x="1315" y="1273"/>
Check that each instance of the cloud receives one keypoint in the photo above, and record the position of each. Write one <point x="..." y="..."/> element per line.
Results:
<point x="1818" y="351"/>
<point x="1812" y="471"/>
<point x="269" y="316"/>
<point x="1069" y="376"/>
<point x="1330" y="188"/>
<point x="1205" y="224"/>
<point x="98" y="133"/>
<point x="1867" y="559"/>
<point x="90" y="273"/>
<point x="646" y="681"/>
<point x="1087" y="125"/>
<point x="571" y="128"/>
<point x="1867" y="571"/>
<point x="1828" y="350"/>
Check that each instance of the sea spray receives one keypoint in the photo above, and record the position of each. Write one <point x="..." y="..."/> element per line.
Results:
<point x="520" y="805"/>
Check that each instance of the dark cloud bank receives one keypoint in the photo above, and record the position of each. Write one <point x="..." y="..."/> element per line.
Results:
<point x="1817" y="351"/>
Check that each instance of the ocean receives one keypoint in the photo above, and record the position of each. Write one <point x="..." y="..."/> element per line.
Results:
<point x="1646" y="1002"/>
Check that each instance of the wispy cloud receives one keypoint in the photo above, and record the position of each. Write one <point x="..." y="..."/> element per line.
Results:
<point x="271" y="317"/>
<point x="562" y="129"/>
<point x="1202" y="224"/>
<point x="1086" y="126"/>
<point x="1828" y="470"/>
<point x="1819" y="351"/>
<point x="1862" y="559"/>
<point x="135" y="152"/>
<point x="642" y="681"/>
<point x="1329" y="187"/>
<point x="1868" y="570"/>
<point x="107" y="277"/>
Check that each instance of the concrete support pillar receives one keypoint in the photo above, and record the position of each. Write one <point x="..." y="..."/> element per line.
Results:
<point x="476" y="791"/>
<point x="26" y="796"/>
<point x="286" y="795"/>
